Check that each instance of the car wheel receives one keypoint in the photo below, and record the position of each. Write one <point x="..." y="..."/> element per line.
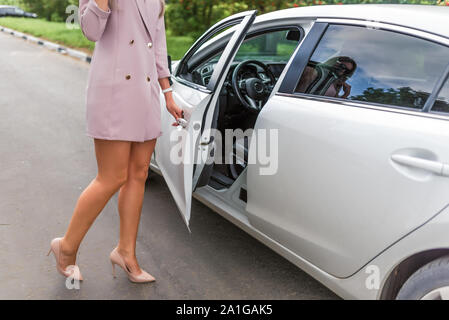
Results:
<point x="430" y="282"/>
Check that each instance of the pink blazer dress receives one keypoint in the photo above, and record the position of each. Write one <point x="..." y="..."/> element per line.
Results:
<point x="123" y="92"/>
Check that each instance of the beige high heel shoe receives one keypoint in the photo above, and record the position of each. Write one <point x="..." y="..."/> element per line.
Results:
<point x="69" y="271"/>
<point x="117" y="259"/>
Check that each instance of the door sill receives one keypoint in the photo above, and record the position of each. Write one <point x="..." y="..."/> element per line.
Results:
<point x="219" y="181"/>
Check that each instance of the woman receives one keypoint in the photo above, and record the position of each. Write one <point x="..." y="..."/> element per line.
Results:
<point x="123" y="118"/>
<point x="328" y="78"/>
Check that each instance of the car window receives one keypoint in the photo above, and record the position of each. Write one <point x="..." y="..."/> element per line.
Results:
<point x="273" y="46"/>
<point x="372" y="65"/>
<point x="442" y="103"/>
<point x="226" y="32"/>
<point x="188" y="73"/>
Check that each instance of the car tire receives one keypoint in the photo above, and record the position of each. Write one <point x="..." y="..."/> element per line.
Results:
<point x="430" y="282"/>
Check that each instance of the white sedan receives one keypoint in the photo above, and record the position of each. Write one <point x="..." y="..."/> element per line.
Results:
<point x="338" y="157"/>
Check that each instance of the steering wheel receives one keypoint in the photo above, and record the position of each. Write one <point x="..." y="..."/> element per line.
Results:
<point x="252" y="92"/>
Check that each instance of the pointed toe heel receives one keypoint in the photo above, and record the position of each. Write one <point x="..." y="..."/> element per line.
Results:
<point x="69" y="271"/>
<point x="117" y="259"/>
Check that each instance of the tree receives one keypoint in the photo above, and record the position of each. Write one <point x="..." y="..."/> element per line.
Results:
<point x="52" y="10"/>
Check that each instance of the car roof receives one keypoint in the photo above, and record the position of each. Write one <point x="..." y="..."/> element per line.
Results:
<point x="4" y="6"/>
<point x="429" y="18"/>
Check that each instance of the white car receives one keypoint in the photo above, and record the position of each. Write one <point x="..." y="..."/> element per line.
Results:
<point x="359" y="98"/>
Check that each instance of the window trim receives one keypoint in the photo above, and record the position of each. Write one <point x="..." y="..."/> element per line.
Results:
<point x="389" y="27"/>
<point x="264" y="30"/>
<point x="436" y="92"/>
<point x="207" y="35"/>
<point x="291" y="78"/>
<point x="367" y="105"/>
<point x="191" y="85"/>
<point x="302" y="57"/>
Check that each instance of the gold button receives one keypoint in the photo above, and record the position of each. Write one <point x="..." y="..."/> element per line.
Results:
<point x="150" y="44"/>
<point x="128" y="77"/>
<point x="131" y="42"/>
<point x="148" y="79"/>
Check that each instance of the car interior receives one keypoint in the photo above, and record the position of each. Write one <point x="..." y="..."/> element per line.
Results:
<point x="253" y="74"/>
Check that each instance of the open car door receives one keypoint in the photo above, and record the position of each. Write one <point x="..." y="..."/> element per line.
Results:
<point x="183" y="153"/>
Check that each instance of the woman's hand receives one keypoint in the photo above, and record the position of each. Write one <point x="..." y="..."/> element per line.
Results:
<point x="173" y="108"/>
<point x="346" y="90"/>
<point x="103" y="4"/>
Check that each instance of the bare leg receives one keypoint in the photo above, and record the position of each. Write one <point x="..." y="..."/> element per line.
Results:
<point x="130" y="201"/>
<point x="112" y="160"/>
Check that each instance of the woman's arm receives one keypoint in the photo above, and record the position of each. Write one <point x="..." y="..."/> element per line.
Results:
<point x="161" y="49"/>
<point x="162" y="69"/>
<point x="93" y="17"/>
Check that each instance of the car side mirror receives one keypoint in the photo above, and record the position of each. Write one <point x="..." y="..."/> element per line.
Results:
<point x="293" y="35"/>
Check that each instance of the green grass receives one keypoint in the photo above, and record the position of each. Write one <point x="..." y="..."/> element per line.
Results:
<point x="177" y="46"/>
<point x="59" y="33"/>
<point x="52" y="31"/>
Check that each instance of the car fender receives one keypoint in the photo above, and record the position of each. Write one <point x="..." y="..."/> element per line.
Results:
<point x="370" y="281"/>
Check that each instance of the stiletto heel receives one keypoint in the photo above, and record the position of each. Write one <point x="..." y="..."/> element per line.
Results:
<point x="49" y="251"/>
<point x="69" y="271"/>
<point x="113" y="269"/>
<point x="117" y="259"/>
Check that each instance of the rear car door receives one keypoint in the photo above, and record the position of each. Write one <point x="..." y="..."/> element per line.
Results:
<point x="362" y="162"/>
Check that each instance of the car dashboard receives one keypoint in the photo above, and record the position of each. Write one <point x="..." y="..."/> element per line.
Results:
<point x="203" y="73"/>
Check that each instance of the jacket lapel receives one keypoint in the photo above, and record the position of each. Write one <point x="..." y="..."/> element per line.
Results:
<point x="141" y="6"/>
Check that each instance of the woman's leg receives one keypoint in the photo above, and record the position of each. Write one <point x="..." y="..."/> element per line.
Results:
<point x="112" y="160"/>
<point x="130" y="201"/>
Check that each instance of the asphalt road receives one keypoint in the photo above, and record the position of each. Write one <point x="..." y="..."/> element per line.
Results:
<point x="46" y="161"/>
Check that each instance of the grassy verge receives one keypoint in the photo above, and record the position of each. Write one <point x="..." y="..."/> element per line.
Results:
<point x="59" y="33"/>
<point x="52" y="31"/>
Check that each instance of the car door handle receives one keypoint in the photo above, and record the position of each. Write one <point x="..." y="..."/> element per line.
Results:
<point x="182" y="122"/>
<point x="435" y="167"/>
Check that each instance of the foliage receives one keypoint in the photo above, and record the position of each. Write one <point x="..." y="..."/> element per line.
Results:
<point x="185" y="19"/>
<point x="51" y="10"/>
<point x="192" y="17"/>
<point x="404" y="96"/>
<point x="10" y="2"/>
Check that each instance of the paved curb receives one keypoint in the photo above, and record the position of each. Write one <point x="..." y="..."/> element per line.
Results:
<point x="50" y="45"/>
